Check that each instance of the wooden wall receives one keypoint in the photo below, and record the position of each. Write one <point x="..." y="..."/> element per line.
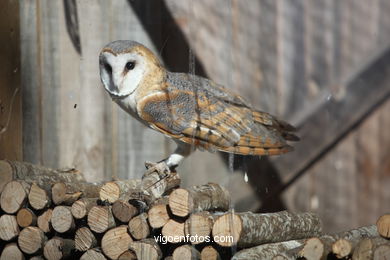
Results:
<point x="285" y="57"/>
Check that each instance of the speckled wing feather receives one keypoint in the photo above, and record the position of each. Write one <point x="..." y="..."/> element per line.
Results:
<point x="198" y="111"/>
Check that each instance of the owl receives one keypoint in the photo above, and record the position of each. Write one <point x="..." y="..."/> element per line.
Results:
<point x="192" y="110"/>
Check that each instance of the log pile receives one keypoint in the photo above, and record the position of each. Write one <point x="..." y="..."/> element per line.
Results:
<point x="56" y="214"/>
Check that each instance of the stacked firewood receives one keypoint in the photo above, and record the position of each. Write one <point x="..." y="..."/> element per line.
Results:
<point x="56" y="214"/>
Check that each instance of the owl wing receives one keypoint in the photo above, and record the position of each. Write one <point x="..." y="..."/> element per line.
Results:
<point x="213" y="118"/>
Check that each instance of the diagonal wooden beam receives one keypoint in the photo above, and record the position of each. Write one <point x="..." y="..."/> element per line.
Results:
<point x="362" y="94"/>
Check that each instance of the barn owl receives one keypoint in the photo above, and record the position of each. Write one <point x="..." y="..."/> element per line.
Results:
<point x="192" y="110"/>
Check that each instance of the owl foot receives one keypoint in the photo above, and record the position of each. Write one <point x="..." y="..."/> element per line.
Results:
<point x="161" y="168"/>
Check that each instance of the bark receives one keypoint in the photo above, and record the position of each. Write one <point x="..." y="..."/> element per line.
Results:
<point x="250" y="229"/>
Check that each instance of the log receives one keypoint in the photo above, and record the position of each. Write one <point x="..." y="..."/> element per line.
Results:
<point x="250" y="229"/>
<point x="26" y="217"/>
<point x="93" y="254"/>
<point x="31" y="240"/>
<point x="383" y="226"/>
<point x="44" y="221"/>
<point x="382" y="252"/>
<point x="342" y="248"/>
<point x="14" y="170"/>
<point x="174" y="231"/>
<point x="185" y="252"/>
<point x="8" y="227"/>
<point x="115" y="242"/>
<point x="38" y="197"/>
<point x="266" y="251"/>
<point x="209" y="253"/>
<point x="84" y="239"/>
<point x="14" y="196"/>
<point x="199" y="225"/>
<point x="319" y="248"/>
<point x="207" y="197"/>
<point x="62" y="219"/>
<point x="365" y="248"/>
<point x="123" y="210"/>
<point x="113" y="190"/>
<point x="146" y="249"/>
<point x="138" y="227"/>
<point x="100" y="219"/>
<point x="314" y="248"/>
<point x="158" y="213"/>
<point x="68" y="193"/>
<point x="81" y="207"/>
<point x="11" y="251"/>
<point x="58" y="248"/>
<point x="128" y="255"/>
<point x="155" y="185"/>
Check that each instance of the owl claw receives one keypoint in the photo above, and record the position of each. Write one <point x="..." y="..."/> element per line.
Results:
<point x="161" y="168"/>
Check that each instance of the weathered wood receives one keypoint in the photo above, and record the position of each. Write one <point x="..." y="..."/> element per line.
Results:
<point x="44" y="221"/>
<point x="146" y="249"/>
<point x="62" y="219"/>
<point x="11" y="135"/>
<point x="93" y="254"/>
<point x="249" y="229"/>
<point x="173" y="231"/>
<point x="266" y="251"/>
<point x="186" y="252"/>
<point x="365" y="248"/>
<point x="11" y="251"/>
<point x="209" y="253"/>
<point x="155" y="186"/>
<point x="115" y="242"/>
<point x="38" y="197"/>
<point x="113" y="190"/>
<point x="158" y="213"/>
<point x="211" y="196"/>
<point x="81" y="207"/>
<point x="357" y="99"/>
<point x="100" y="219"/>
<point x="382" y="252"/>
<point x="14" y="196"/>
<point x="26" y="217"/>
<point x="58" y="248"/>
<point x="68" y="193"/>
<point x="9" y="228"/>
<point x="199" y="225"/>
<point x="320" y="247"/>
<point x="128" y="255"/>
<point x="342" y="248"/>
<point x="31" y="240"/>
<point x="84" y="239"/>
<point x="123" y="210"/>
<point x="14" y="170"/>
<point x="383" y="226"/>
<point x="138" y="227"/>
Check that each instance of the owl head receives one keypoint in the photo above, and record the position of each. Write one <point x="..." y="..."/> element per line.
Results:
<point x="124" y="65"/>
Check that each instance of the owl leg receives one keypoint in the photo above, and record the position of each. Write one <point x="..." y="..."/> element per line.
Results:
<point x="169" y="164"/>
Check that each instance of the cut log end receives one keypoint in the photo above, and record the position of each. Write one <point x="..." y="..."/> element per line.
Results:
<point x="13" y="197"/>
<point x="62" y="219"/>
<point x="115" y="242"/>
<point x="227" y="229"/>
<point x="31" y="240"/>
<point x="383" y="226"/>
<point x="179" y="202"/>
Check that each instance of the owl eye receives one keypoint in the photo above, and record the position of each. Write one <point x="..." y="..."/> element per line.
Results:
<point x="130" y="65"/>
<point x="108" y="68"/>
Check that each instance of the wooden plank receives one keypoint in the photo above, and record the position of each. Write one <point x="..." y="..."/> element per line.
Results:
<point x="10" y="91"/>
<point x="363" y="94"/>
